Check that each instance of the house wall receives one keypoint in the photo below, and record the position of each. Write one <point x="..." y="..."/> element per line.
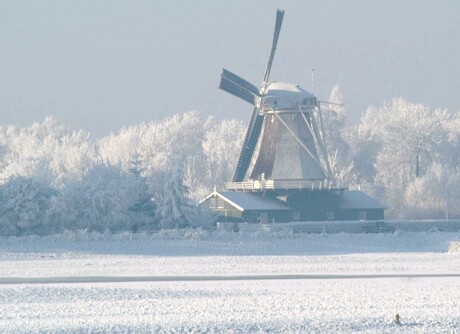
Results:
<point x="312" y="205"/>
<point x="357" y="214"/>
<point x="227" y="215"/>
<point x="225" y="212"/>
<point x="270" y="216"/>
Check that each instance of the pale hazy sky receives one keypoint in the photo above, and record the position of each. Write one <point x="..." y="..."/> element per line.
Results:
<point x="99" y="65"/>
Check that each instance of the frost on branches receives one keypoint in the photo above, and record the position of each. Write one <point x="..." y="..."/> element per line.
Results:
<point x="24" y="205"/>
<point x="406" y="140"/>
<point x="145" y="177"/>
<point x="174" y="207"/>
<point x="335" y="125"/>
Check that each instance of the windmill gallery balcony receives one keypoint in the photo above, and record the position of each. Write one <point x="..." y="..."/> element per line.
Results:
<point x="261" y="185"/>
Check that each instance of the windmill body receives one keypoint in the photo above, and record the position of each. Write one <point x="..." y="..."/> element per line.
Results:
<point x="287" y="145"/>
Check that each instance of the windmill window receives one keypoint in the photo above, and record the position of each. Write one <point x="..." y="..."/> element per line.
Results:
<point x="296" y="215"/>
<point x="305" y="101"/>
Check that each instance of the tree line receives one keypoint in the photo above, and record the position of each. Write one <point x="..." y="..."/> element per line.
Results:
<point x="150" y="176"/>
<point x="147" y="176"/>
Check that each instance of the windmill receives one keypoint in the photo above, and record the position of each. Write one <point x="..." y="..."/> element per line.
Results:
<point x="283" y="140"/>
<point x="283" y="173"/>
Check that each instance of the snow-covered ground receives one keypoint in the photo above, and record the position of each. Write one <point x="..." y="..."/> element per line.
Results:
<point x="343" y="305"/>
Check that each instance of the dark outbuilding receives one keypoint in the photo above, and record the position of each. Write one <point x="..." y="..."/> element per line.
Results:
<point x="272" y="207"/>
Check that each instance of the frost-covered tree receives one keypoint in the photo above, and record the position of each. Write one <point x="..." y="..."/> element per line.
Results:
<point x="120" y="149"/>
<point x="335" y="127"/>
<point x="451" y="152"/>
<point x="180" y="136"/>
<point x="110" y="184"/>
<point x="434" y="195"/>
<point x="404" y="139"/>
<point x="174" y="207"/>
<point x="107" y="198"/>
<point x="142" y="209"/>
<point x="24" y="204"/>
<point x="335" y="121"/>
<point x="46" y="151"/>
<point x="222" y="145"/>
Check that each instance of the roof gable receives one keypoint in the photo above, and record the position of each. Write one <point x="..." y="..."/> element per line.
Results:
<point x="246" y="201"/>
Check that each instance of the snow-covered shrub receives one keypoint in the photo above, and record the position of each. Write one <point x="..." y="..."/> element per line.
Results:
<point x="203" y="217"/>
<point x="196" y="234"/>
<point x="284" y="233"/>
<point x="454" y="247"/>
<point x="170" y="234"/>
<point x="24" y="204"/>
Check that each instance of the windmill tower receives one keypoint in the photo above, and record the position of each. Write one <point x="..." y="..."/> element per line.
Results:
<point x="283" y="142"/>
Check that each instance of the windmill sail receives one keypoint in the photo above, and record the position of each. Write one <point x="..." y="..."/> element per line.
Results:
<point x="240" y="81"/>
<point x="249" y="144"/>
<point x="278" y="23"/>
<point x="237" y="86"/>
<point x="256" y="120"/>
<point x="237" y="90"/>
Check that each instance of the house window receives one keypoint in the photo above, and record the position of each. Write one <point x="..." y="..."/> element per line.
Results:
<point x="296" y="215"/>
<point x="362" y="215"/>
<point x="330" y="215"/>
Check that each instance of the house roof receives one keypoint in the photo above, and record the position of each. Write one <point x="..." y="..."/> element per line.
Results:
<point x="244" y="201"/>
<point x="354" y="199"/>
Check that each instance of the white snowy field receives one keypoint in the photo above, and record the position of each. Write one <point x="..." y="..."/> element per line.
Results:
<point x="342" y="305"/>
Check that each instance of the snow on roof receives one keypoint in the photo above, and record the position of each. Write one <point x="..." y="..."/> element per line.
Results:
<point x="244" y="201"/>
<point x="281" y="95"/>
<point x="354" y="199"/>
<point x="283" y="88"/>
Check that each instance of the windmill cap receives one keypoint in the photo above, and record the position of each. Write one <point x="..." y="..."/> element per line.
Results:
<point x="282" y="94"/>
